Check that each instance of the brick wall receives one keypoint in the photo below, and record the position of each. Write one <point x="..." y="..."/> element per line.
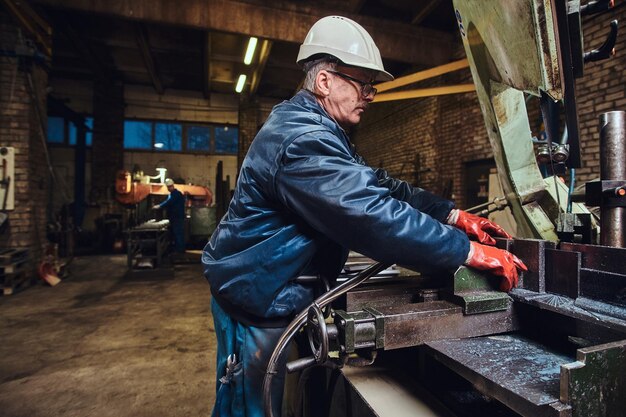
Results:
<point x="252" y="115"/>
<point x="448" y="131"/>
<point x="20" y="127"/>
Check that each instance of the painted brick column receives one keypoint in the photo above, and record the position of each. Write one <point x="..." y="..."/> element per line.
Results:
<point x="21" y="128"/>
<point x="249" y="121"/>
<point x="108" y="139"/>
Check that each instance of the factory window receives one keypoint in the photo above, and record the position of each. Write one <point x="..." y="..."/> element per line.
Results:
<point x="63" y="131"/>
<point x="56" y="130"/>
<point x="179" y="137"/>
<point x="88" y="135"/>
<point x="168" y="136"/>
<point x="137" y="134"/>
<point x="199" y="138"/>
<point x="226" y="139"/>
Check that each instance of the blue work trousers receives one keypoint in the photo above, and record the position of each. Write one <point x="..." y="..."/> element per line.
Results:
<point x="240" y="393"/>
<point x="177" y="229"/>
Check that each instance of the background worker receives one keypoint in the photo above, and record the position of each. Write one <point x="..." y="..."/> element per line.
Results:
<point x="304" y="198"/>
<point x="175" y="206"/>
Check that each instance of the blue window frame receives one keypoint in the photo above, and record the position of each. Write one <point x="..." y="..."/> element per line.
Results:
<point x="179" y="137"/>
<point x="226" y="138"/>
<point x="199" y="138"/>
<point x="63" y="132"/>
<point x="88" y="135"/>
<point x="56" y="129"/>
<point x="137" y="134"/>
<point x="168" y="136"/>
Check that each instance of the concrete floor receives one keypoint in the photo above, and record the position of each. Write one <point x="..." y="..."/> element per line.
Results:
<point x="101" y="345"/>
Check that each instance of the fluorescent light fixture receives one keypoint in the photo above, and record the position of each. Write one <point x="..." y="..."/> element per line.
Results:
<point x="250" y="51"/>
<point x="158" y="145"/>
<point x="240" y="83"/>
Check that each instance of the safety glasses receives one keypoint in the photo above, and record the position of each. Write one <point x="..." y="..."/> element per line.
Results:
<point x="367" y="89"/>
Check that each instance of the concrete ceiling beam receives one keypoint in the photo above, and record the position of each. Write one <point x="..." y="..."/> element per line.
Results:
<point x="282" y="21"/>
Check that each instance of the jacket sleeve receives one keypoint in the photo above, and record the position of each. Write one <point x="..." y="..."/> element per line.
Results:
<point x="418" y="198"/>
<point x="168" y="201"/>
<point x="320" y="182"/>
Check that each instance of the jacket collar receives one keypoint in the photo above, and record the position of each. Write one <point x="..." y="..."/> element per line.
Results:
<point x="307" y="100"/>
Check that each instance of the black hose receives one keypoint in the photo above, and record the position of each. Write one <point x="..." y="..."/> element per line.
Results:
<point x="299" y="321"/>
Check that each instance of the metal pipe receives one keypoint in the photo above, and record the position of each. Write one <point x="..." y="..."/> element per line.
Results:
<point x="300" y="320"/>
<point x="613" y="168"/>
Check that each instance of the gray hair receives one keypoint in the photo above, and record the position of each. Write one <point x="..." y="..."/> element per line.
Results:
<point x="312" y="68"/>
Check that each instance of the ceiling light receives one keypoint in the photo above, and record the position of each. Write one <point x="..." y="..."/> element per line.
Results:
<point x="250" y="51"/>
<point x="240" y="83"/>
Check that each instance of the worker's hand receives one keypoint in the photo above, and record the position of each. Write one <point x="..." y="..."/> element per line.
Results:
<point x="476" y="227"/>
<point x="496" y="261"/>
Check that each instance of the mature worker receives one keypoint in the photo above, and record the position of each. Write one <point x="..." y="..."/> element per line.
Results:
<point x="175" y="206"/>
<point x="304" y="198"/>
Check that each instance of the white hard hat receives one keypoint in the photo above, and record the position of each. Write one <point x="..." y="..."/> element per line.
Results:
<point x="347" y="41"/>
<point x="169" y="182"/>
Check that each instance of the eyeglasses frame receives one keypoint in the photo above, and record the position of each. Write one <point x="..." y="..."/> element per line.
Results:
<point x="363" y="84"/>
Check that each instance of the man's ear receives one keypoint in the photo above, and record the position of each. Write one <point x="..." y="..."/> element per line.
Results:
<point x="322" y="83"/>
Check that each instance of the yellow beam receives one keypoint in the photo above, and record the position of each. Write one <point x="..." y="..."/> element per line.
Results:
<point x="425" y="92"/>
<point x="423" y="75"/>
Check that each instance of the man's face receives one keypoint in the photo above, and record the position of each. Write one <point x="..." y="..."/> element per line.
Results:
<point x="170" y="188"/>
<point x="345" y="101"/>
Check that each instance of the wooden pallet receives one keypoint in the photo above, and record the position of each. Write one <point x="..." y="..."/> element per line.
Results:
<point x="14" y="283"/>
<point x="11" y="255"/>
<point x="14" y="267"/>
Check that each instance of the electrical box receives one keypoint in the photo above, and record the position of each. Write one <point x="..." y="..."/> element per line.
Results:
<point x="7" y="178"/>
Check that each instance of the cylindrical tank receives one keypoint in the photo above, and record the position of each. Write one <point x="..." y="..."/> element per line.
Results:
<point x="613" y="168"/>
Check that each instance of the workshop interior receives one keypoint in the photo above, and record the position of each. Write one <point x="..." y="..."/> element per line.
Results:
<point x="514" y="110"/>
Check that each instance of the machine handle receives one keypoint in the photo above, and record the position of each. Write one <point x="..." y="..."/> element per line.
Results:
<point x="300" y="364"/>
<point x="606" y="50"/>
<point x="594" y="7"/>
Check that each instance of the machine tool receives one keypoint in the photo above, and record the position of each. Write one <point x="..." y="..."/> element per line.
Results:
<point x="451" y="344"/>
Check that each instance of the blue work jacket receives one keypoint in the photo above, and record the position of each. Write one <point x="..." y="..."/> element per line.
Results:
<point x="302" y="200"/>
<point x="175" y="205"/>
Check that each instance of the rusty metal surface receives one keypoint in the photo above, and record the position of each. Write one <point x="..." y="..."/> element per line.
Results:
<point x="532" y="252"/>
<point x="562" y="272"/>
<point x="520" y="373"/>
<point x="404" y="291"/>
<point x="595" y="385"/>
<point x="572" y="308"/>
<point x="413" y="325"/>
<point x="603" y="286"/>
<point x="598" y="257"/>
<point x="602" y="272"/>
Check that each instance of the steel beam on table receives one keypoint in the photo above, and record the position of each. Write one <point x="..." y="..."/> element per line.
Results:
<point x="562" y="272"/>
<point x="532" y="252"/>
<point x="602" y="272"/>
<point x="416" y="324"/>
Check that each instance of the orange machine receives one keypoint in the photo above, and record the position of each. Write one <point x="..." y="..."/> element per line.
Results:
<point x="132" y="192"/>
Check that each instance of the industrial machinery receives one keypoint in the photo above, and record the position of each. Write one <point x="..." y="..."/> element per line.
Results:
<point x="137" y="191"/>
<point x="451" y="344"/>
<point x="131" y="190"/>
<point x="147" y="245"/>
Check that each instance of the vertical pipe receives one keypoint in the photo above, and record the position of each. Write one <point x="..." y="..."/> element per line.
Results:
<point x="613" y="168"/>
<point x="79" y="174"/>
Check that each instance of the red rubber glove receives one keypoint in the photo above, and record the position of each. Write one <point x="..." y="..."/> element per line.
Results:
<point x="496" y="261"/>
<point x="478" y="228"/>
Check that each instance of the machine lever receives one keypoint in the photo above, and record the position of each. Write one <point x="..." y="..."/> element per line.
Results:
<point x="606" y="50"/>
